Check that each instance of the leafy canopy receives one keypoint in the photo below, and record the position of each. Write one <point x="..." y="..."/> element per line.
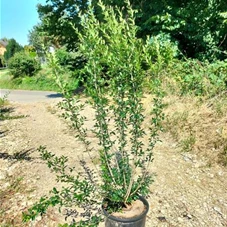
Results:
<point x="198" y="26"/>
<point x="12" y="48"/>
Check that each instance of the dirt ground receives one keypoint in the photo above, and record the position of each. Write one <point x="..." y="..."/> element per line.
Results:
<point x="190" y="188"/>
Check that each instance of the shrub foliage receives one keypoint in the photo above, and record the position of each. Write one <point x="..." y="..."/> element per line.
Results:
<point x="23" y="64"/>
<point x="111" y="50"/>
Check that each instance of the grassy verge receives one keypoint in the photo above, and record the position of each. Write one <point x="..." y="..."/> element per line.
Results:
<point x="42" y="81"/>
<point x="198" y="126"/>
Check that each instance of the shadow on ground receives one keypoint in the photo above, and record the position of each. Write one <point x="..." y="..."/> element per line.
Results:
<point x="3" y="133"/>
<point x="18" y="156"/>
<point x="52" y="96"/>
<point x="4" y="112"/>
<point x="77" y="91"/>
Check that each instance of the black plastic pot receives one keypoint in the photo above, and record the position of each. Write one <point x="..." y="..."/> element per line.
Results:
<point x="138" y="221"/>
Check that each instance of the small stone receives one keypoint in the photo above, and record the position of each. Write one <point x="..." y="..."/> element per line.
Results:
<point x="187" y="159"/>
<point x="24" y="204"/>
<point x="218" y="210"/>
<point x="188" y="216"/>
<point x="162" y="219"/>
<point x="2" y="176"/>
<point x="6" y="185"/>
<point x="30" y="203"/>
<point x="179" y="219"/>
<point x="39" y="218"/>
<point x="211" y="175"/>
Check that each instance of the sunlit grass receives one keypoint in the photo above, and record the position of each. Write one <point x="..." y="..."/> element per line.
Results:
<point x="41" y="81"/>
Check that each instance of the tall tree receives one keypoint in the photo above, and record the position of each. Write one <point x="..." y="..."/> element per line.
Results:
<point x="57" y="18"/>
<point x="12" y="48"/>
<point x="199" y="26"/>
<point x="38" y="39"/>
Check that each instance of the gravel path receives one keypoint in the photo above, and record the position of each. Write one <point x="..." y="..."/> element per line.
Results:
<point x="186" y="191"/>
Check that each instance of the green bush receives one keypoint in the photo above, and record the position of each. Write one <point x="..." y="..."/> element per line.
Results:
<point x="70" y="60"/>
<point x="23" y="64"/>
<point x="199" y="78"/>
<point x="123" y="159"/>
<point x="12" y="47"/>
<point x="2" y="61"/>
<point x="162" y="49"/>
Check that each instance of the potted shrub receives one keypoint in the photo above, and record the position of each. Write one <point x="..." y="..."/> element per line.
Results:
<point x="118" y="176"/>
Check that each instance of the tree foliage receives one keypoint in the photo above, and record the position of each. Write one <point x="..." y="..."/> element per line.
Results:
<point x="30" y="50"/>
<point x="70" y="60"/>
<point x="198" y="26"/>
<point x="57" y="18"/>
<point x="12" y="48"/>
<point x="36" y="38"/>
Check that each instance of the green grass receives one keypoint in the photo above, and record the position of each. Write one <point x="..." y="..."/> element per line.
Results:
<point x="4" y="77"/>
<point x="42" y="81"/>
<point x="187" y="144"/>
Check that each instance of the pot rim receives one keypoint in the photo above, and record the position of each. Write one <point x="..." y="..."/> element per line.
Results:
<point x="133" y="219"/>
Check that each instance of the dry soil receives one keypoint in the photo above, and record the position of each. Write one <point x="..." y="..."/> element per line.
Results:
<point x="188" y="190"/>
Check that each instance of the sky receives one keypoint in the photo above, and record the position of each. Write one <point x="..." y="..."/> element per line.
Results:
<point x="17" y="17"/>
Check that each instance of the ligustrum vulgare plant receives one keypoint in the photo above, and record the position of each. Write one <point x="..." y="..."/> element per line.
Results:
<point x="115" y="70"/>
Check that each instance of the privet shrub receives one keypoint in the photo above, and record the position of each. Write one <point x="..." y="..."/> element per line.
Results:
<point x="23" y="64"/>
<point x="122" y="172"/>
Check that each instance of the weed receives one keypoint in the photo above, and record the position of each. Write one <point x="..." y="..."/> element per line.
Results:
<point x="15" y="185"/>
<point x="187" y="144"/>
<point x="174" y="122"/>
<point x="6" y="111"/>
<point x="41" y="81"/>
<point x="3" y="109"/>
<point x="4" y="101"/>
<point x="51" y="110"/>
<point x="5" y="114"/>
<point x="220" y="106"/>
<point x="7" y="117"/>
<point x="223" y="157"/>
<point x="197" y="78"/>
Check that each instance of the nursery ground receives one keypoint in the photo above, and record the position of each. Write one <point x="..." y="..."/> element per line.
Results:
<point x="190" y="182"/>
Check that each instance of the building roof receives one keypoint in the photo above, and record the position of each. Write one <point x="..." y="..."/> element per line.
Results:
<point x="3" y="43"/>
